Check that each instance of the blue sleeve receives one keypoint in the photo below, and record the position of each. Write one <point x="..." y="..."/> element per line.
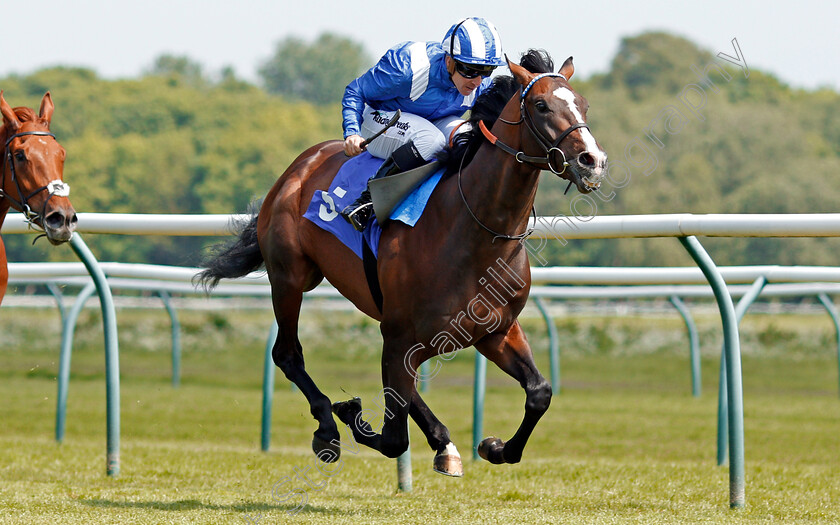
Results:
<point x="389" y="78"/>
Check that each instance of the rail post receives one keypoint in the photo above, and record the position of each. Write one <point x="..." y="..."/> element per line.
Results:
<point x="176" y="337"/>
<point x="553" y="345"/>
<point x="740" y="310"/>
<point x="832" y="311"/>
<point x="64" y="358"/>
<point x="479" y="387"/>
<point x="732" y="351"/>
<point x="268" y="388"/>
<point x="112" y="357"/>
<point x="693" y="344"/>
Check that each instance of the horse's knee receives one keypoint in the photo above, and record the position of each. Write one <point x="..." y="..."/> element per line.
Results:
<point x="394" y="449"/>
<point x="394" y="443"/>
<point x="539" y="398"/>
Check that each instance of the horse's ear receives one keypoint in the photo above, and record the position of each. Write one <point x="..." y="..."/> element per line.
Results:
<point x="567" y="69"/>
<point x="522" y="75"/>
<point x="47" y="107"/>
<point x="9" y="117"/>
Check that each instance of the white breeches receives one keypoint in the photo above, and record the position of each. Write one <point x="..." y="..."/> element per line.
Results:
<point x="429" y="137"/>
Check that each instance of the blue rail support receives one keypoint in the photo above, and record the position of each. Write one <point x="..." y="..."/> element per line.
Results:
<point x="553" y="345"/>
<point x="112" y="358"/>
<point x="68" y="329"/>
<point x="693" y="344"/>
<point x="832" y="311"/>
<point x="176" y="337"/>
<point x="732" y="351"/>
<point x="740" y="311"/>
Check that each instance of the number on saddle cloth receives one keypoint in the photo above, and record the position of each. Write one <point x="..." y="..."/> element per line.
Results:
<point x="348" y="184"/>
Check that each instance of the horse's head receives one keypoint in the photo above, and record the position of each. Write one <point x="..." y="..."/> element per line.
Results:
<point x="556" y="118"/>
<point x="32" y="170"/>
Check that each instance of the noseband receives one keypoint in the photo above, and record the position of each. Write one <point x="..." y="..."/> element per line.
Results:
<point x="56" y="187"/>
<point x="547" y="145"/>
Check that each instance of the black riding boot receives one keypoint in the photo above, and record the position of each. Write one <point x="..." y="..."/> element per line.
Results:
<point x="404" y="158"/>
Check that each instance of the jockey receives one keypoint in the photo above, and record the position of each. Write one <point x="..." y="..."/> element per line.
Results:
<point x="433" y="84"/>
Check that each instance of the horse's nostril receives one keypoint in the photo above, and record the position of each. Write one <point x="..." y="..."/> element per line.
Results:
<point x="54" y="220"/>
<point x="587" y="160"/>
<point x="74" y="220"/>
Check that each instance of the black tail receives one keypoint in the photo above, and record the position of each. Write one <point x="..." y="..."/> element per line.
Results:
<point x="233" y="259"/>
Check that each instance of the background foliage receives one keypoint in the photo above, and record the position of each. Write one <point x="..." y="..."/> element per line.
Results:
<point x="175" y="140"/>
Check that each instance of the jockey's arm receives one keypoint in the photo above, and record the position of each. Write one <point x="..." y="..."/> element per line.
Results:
<point x="388" y="79"/>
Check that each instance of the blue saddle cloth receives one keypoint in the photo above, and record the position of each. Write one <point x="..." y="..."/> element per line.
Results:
<point x="347" y="185"/>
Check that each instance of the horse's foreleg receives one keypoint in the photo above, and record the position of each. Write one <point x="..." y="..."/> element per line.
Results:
<point x="447" y="459"/>
<point x="512" y="354"/>
<point x="288" y="355"/>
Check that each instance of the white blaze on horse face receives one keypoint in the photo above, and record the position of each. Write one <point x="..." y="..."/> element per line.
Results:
<point x="567" y="96"/>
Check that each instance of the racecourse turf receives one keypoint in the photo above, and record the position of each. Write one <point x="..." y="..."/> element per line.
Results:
<point x="624" y="442"/>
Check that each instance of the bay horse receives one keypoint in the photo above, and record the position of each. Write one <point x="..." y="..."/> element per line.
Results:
<point x="437" y="278"/>
<point x="31" y="178"/>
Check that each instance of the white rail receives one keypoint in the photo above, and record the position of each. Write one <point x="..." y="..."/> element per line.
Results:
<point x="553" y="275"/>
<point x="599" y="227"/>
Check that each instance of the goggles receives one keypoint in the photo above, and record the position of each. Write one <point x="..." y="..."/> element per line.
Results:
<point x="473" y="70"/>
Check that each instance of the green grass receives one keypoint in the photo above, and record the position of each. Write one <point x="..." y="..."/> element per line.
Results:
<point x="624" y="443"/>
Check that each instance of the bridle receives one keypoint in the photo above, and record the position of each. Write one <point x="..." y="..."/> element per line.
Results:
<point x="520" y="156"/>
<point x="547" y="145"/>
<point x="55" y="187"/>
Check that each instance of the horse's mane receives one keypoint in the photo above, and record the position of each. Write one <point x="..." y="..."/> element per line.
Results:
<point x="24" y="114"/>
<point x="488" y="107"/>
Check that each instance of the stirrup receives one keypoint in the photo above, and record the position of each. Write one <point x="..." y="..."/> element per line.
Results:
<point x="360" y="217"/>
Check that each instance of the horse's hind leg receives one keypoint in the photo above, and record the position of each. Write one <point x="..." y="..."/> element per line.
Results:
<point x="447" y="459"/>
<point x="398" y="389"/>
<point x="288" y="355"/>
<point x="512" y="354"/>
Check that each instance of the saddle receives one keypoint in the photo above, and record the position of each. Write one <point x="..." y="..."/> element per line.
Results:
<point x="388" y="192"/>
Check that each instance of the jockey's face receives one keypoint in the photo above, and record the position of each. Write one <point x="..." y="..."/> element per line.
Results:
<point x="465" y="86"/>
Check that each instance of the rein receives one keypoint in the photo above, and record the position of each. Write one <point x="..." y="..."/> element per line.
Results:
<point x="56" y="187"/>
<point x="496" y="235"/>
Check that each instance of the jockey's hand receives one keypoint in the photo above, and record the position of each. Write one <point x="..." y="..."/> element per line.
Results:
<point x="353" y="145"/>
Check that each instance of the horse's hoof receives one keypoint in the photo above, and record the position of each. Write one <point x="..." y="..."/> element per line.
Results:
<point x="325" y="450"/>
<point x="492" y="449"/>
<point x="448" y="462"/>
<point x="346" y="411"/>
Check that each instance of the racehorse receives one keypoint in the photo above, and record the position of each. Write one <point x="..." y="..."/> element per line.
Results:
<point x="458" y="278"/>
<point x="31" y="176"/>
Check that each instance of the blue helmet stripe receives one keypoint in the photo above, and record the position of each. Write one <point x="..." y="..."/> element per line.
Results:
<point x="475" y="41"/>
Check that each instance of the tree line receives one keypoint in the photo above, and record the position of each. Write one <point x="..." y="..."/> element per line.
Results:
<point x="175" y="140"/>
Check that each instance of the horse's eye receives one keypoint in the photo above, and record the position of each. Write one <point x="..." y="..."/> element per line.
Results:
<point x="541" y="106"/>
<point x="20" y="156"/>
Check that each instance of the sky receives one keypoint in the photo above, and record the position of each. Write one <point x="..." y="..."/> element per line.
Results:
<point x="798" y="42"/>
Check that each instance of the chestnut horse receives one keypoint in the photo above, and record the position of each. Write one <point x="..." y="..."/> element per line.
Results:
<point x="31" y="176"/>
<point x="458" y="278"/>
